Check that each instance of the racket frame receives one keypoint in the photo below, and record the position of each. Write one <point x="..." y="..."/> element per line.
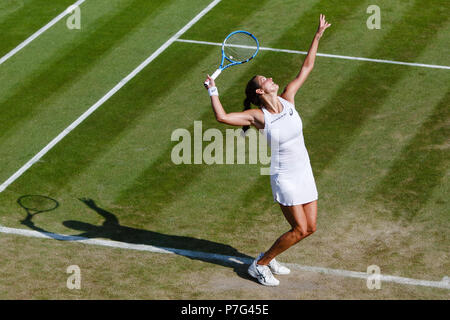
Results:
<point x="232" y="62"/>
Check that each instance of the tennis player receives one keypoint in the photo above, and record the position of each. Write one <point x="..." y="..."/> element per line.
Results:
<point x="291" y="176"/>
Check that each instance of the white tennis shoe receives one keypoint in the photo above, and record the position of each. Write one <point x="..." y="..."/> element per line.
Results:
<point x="277" y="268"/>
<point x="262" y="273"/>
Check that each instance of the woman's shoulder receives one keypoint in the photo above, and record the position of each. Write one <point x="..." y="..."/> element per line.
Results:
<point x="287" y="101"/>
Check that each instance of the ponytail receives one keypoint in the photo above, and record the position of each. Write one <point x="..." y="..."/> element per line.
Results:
<point x="247" y="106"/>
<point x="251" y="97"/>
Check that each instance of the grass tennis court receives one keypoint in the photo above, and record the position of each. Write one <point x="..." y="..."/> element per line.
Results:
<point x="377" y="135"/>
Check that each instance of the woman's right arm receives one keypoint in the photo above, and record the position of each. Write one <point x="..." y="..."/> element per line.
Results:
<point x="244" y="118"/>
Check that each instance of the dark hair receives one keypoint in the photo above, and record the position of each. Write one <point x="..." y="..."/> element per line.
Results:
<point x="251" y="97"/>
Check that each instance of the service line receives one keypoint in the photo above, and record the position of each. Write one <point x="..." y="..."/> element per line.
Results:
<point x="322" y="55"/>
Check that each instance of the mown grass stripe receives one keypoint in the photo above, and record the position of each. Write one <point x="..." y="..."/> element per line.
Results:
<point x="420" y="167"/>
<point x="102" y="133"/>
<point x="334" y="126"/>
<point x="360" y="168"/>
<point x="69" y="67"/>
<point x="40" y="31"/>
<point x="125" y="80"/>
<point x="53" y="44"/>
<point x="22" y="19"/>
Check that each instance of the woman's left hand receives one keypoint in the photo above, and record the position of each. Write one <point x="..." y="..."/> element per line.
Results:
<point x="323" y="25"/>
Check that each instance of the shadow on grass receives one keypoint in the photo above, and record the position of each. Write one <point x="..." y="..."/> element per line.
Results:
<point x="193" y="248"/>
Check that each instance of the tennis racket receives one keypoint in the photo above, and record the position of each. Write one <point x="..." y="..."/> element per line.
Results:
<point x="238" y="47"/>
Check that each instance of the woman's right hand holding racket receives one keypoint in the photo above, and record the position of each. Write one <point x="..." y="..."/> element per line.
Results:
<point x="209" y="82"/>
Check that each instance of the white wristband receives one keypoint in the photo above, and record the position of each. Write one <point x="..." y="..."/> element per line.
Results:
<point x="213" y="91"/>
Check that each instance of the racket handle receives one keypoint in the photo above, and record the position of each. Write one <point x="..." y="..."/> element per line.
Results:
<point x="214" y="76"/>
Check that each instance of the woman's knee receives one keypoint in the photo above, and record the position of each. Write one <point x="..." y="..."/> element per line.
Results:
<point x="312" y="228"/>
<point x="302" y="232"/>
<point x="299" y="233"/>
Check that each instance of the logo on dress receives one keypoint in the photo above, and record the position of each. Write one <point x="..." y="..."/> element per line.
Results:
<point x="291" y="111"/>
<point x="283" y="114"/>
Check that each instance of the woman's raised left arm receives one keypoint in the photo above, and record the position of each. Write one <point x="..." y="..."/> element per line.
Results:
<point x="307" y="66"/>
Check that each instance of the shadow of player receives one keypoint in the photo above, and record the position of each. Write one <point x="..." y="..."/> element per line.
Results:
<point x="193" y="248"/>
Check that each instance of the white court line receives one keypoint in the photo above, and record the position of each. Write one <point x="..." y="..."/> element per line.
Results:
<point x="118" y="86"/>
<point x="322" y="55"/>
<point x="41" y="31"/>
<point x="443" y="284"/>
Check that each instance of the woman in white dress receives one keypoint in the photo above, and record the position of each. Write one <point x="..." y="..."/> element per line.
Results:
<point x="292" y="180"/>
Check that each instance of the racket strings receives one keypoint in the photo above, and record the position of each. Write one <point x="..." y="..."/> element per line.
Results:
<point x="240" y="47"/>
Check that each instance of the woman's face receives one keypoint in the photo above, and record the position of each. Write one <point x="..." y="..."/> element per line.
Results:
<point x="267" y="84"/>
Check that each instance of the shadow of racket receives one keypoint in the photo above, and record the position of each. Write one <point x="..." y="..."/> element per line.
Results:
<point x="35" y="204"/>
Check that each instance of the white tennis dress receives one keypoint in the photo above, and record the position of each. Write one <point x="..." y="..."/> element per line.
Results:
<point x="291" y="176"/>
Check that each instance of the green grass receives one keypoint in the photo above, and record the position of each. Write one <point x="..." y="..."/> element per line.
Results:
<point x="21" y="18"/>
<point x="412" y="178"/>
<point x="377" y="135"/>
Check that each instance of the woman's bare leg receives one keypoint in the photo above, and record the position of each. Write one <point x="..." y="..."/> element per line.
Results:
<point x="310" y="209"/>
<point x="302" y="219"/>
